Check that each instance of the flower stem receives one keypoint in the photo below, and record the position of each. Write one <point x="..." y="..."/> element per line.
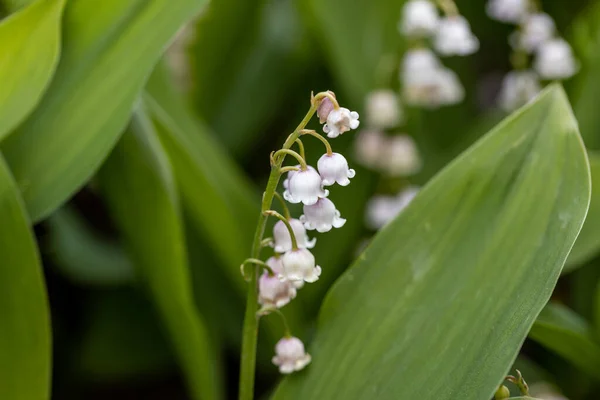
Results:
<point x="320" y="137"/>
<point x="287" y="225"/>
<point x="286" y="210"/>
<point x="268" y="310"/>
<point x="283" y="152"/>
<point x="250" y="330"/>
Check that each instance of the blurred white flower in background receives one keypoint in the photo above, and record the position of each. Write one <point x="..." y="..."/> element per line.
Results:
<point x="401" y="156"/>
<point x="554" y="60"/>
<point x="536" y="29"/>
<point x="368" y="147"/>
<point x="383" y="209"/>
<point x="383" y="109"/>
<point x="518" y="88"/>
<point x="419" y="19"/>
<point x="454" y="37"/>
<point x="512" y="11"/>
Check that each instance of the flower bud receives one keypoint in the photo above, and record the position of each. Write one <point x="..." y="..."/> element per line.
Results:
<point x="283" y="240"/>
<point x="419" y="18"/>
<point x="290" y="355"/>
<point x="325" y="108"/>
<point x="340" y="121"/>
<point x="454" y="37"/>
<point x="322" y="216"/>
<point x="334" y="168"/>
<point x="502" y="393"/>
<point x="304" y="186"/>
<point x="299" y="265"/>
<point x="383" y="109"/>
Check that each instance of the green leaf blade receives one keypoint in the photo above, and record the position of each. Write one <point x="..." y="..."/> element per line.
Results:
<point x="25" y="344"/>
<point x="29" y="52"/>
<point x="462" y="280"/>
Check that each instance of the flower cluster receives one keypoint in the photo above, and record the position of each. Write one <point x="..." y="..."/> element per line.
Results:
<point x="425" y="80"/>
<point x="293" y="264"/>
<point x="536" y="37"/>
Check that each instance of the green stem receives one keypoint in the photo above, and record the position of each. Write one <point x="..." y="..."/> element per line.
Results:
<point x="268" y="310"/>
<point x="301" y="148"/>
<point x="287" y="225"/>
<point x="283" y="152"/>
<point x="320" y="137"/>
<point x="250" y="330"/>
<point x="286" y="210"/>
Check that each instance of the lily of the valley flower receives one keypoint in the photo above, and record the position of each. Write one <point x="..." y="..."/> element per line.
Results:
<point x="299" y="265"/>
<point x="454" y="37"/>
<point x="518" y="88"/>
<point x="383" y="209"/>
<point x="383" y="109"/>
<point x="419" y="18"/>
<point x="282" y="241"/>
<point x="334" y="168"/>
<point x="368" y="147"/>
<point x="340" y="121"/>
<point x="322" y="216"/>
<point x="537" y="29"/>
<point x="507" y="10"/>
<point x="401" y="156"/>
<point x="290" y="355"/>
<point x="304" y="186"/>
<point x="554" y="60"/>
<point x="272" y="291"/>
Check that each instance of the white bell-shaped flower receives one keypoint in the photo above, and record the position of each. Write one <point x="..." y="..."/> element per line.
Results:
<point x="299" y="265"/>
<point x="417" y="63"/>
<point x="454" y="37"/>
<point x="432" y="85"/>
<point x="450" y="90"/>
<point x="340" y="121"/>
<point x="383" y="209"/>
<point x="334" y="168"/>
<point x="304" y="186"/>
<point x="369" y="147"/>
<point x="401" y="156"/>
<point x="419" y="18"/>
<point x="282" y="241"/>
<point x="322" y="216"/>
<point x="290" y="355"/>
<point x="554" y="60"/>
<point x="537" y="29"/>
<point x="518" y="88"/>
<point x="383" y="109"/>
<point x="276" y="266"/>
<point x="272" y="291"/>
<point x="512" y="11"/>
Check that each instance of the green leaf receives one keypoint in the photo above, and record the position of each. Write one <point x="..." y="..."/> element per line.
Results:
<point x="82" y="255"/>
<point x="139" y="187"/>
<point x="461" y="274"/>
<point x="29" y="50"/>
<point x="567" y="334"/>
<point x="588" y="241"/>
<point x="25" y="345"/>
<point x="104" y="65"/>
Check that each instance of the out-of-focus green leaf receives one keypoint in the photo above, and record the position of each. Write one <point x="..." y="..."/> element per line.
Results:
<point x="25" y="348"/>
<point x="122" y="339"/>
<point x="587" y="244"/>
<point x="104" y="64"/>
<point x="461" y="273"/>
<point x="29" y="50"/>
<point x="567" y="334"/>
<point x="14" y="5"/>
<point x="82" y="255"/>
<point x="140" y="190"/>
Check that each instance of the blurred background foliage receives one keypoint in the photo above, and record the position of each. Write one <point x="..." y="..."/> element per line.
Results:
<point x="233" y="83"/>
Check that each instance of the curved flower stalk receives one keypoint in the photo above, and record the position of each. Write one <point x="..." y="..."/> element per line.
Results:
<point x="293" y="265"/>
<point x="535" y="38"/>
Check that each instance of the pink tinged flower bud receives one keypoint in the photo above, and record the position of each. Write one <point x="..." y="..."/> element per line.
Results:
<point x="290" y="355"/>
<point x="272" y="292"/>
<point x="454" y="37"/>
<point x="304" y="186"/>
<point x="340" y="121"/>
<point x="334" y="168"/>
<point x="322" y="216"/>
<point x="299" y="265"/>
<point x="283" y="240"/>
<point x="325" y="108"/>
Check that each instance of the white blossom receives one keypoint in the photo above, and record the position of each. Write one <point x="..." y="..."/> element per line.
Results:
<point x="383" y="209"/>
<point x="518" y="88"/>
<point x="340" y="121"/>
<point x="272" y="291"/>
<point x="383" y="109"/>
<point x="401" y="156"/>
<point x="334" y="168"/>
<point x="322" y="216"/>
<point x="554" y="60"/>
<point x="304" y="186"/>
<point x="507" y="10"/>
<point x="290" y="355"/>
<point x="419" y="18"/>
<point x="369" y="146"/>
<point x="282" y="241"/>
<point x="299" y="265"/>
<point x="276" y="266"/>
<point x="454" y="37"/>
<point x="536" y="29"/>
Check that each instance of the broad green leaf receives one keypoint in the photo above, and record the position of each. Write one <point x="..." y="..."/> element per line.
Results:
<point x="29" y="51"/>
<point x="567" y="334"/>
<point x="588" y="242"/>
<point x="14" y="5"/>
<point x="25" y="345"/>
<point x="460" y="274"/>
<point x="139" y="187"/>
<point x="82" y="255"/>
<point x="104" y="65"/>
